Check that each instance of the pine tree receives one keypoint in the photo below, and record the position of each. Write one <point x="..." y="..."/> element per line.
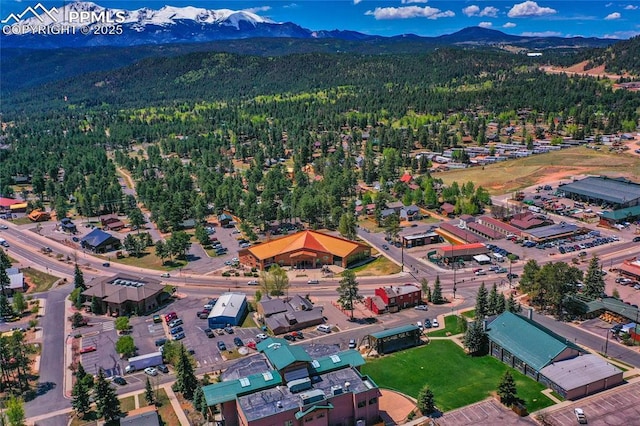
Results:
<point x="107" y="401"/>
<point x="96" y="306"/>
<point x="348" y="293"/>
<point x="80" y="398"/>
<point x="5" y="261"/>
<point x="426" y="402"/>
<point x="512" y="305"/>
<point x="15" y="411"/>
<point x="78" y="279"/>
<point x="475" y="339"/>
<point x="593" y="281"/>
<point x="481" y="302"/>
<point x="149" y="395"/>
<point x="507" y="390"/>
<point x="502" y="304"/>
<point x="492" y="302"/>
<point x="436" y="294"/>
<point x="426" y="290"/>
<point x="200" y="401"/>
<point x="186" y="379"/>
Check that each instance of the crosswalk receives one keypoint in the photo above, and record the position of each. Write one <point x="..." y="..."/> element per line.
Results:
<point x="108" y="326"/>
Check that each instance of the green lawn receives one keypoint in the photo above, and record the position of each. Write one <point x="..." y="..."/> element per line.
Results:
<point x="469" y="314"/>
<point x="455" y="378"/>
<point x="452" y="324"/>
<point x="379" y="266"/>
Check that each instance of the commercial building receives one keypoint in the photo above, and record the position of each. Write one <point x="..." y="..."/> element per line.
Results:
<point x="297" y="389"/>
<point x="16" y="281"/>
<point x="99" y="241"/>
<point x="618" y="192"/>
<point x="394" y="339"/>
<point x="458" y="233"/>
<point x="111" y="223"/>
<point x="287" y="314"/>
<point x="123" y="295"/>
<point x="499" y="226"/>
<point x="549" y="358"/>
<point x="552" y="232"/>
<point x="394" y="298"/>
<point x="230" y="309"/>
<point x="462" y="251"/>
<point x="305" y="249"/>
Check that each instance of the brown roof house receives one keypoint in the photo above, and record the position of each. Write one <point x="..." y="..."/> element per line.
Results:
<point x="111" y="223"/>
<point x="288" y="314"/>
<point x="121" y="294"/>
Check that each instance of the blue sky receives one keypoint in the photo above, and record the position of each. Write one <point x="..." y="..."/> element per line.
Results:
<point x="588" y="18"/>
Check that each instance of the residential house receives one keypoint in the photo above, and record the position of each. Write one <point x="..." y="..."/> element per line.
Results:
<point x="99" y="241"/>
<point x="283" y="315"/>
<point x="395" y="298"/>
<point x="410" y="213"/>
<point x="111" y="223"/>
<point x="123" y="295"/>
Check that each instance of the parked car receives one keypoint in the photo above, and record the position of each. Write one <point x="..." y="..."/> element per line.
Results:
<point x="119" y="381"/>
<point x="161" y="342"/>
<point x="106" y="264"/>
<point x="88" y="349"/>
<point x="580" y="416"/>
<point x="228" y="329"/>
<point x="421" y="307"/>
<point x="324" y="328"/>
<point x="203" y="314"/>
<point x="209" y="333"/>
<point x="165" y="275"/>
<point x="297" y="334"/>
<point x="222" y="346"/>
<point x="435" y="323"/>
<point x="151" y="371"/>
<point x="385" y="247"/>
<point x="427" y="323"/>
<point x="352" y="343"/>
<point x="179" y="336"/>
<point x="512" y="276"/>
<point x="636" y="239"/>
<point x="288" y="337"/>
<point x="253" y="282"/>
<point x="170" y="317"/>
<point x="157" y="318"/>
<point x="419" y="325"/>
<point x="163" y="368"/>
<point x="261" y="336"/>
<point x="176" y="330"/>
<point x="176" y="322"/>
<point x="238" y="341"/>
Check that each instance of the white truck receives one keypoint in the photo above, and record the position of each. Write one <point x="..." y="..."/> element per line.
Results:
<point x="141" y="362"/>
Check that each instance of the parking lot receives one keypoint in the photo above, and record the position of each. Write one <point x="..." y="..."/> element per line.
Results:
<point x="619" y="406"/>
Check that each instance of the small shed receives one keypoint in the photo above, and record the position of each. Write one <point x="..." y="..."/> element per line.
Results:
<point x="230" y="309"/>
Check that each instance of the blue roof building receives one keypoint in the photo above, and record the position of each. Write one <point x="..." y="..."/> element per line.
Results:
<point x="99" y="241"/>
<point x="230" y="309"/>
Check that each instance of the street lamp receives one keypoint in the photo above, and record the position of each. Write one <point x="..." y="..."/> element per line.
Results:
<point x="453" y="265"/>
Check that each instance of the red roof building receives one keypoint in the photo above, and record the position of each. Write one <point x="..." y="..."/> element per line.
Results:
<point x="394" y="298"/>
<point x="5" y="203"/>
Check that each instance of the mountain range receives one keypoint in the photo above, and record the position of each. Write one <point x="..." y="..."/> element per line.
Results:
<point x="170" y="25"/>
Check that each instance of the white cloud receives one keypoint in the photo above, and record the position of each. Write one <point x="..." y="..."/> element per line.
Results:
<point x="413" y="1"/>
<point x="474" y="10"/>
<point x="619" y="35"/>
<point x="290" y="6"/>
<point x="542" y="34"/>
<point x="509" y="25"/>
<point x="529" y="8"/>
<point x="485" y="24"/>
<point x="631" y="7"/>
<point x="258" y="9"/>
<point x="357" y="1"/>
<point x="612" y="16"/>
<point x="382" y="13"/>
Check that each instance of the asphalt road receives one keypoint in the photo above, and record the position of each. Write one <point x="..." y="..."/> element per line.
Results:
<point x="50" y="385"/>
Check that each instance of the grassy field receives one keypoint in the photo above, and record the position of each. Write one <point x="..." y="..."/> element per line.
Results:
<point x="469" y="314"/>
<point x="165" y="409"/>
<point x="128" y="403"/>
<point x="516" y="174"/>
<point x="380" y="266"/>
<point x="149" y="260"/>
<point x="453" y="324"/>
<point x="455" y="378"/>
<point x="41" y="280"/>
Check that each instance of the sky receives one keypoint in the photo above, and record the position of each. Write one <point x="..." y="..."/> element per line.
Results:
<point x="586" y="18"/>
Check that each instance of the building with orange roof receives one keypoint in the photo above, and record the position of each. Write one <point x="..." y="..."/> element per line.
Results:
<point x="305" y="249"/>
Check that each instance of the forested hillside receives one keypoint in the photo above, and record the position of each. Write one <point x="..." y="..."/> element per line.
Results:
<point x="290" y="136"/>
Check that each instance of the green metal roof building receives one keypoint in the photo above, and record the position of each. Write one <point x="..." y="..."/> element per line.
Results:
<point x="526" y="345"/>
<point x="395" y="339"/>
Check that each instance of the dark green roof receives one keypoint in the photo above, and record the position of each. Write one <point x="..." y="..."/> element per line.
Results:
<point x="612" y="305"/>
<point x="622" y="214"/>
<point x="527" y="340"/>
<point x="394" y="331"/>
<point x="281" y="354"/>
<point x="218" y="393"/>
<point x="348" y="358"/>
<point x="301" y="414"/>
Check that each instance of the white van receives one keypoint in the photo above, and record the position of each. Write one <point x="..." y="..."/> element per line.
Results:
<point x="324" y="328"/>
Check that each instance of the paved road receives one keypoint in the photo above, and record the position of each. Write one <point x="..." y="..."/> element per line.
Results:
<point x="590" y="340"/>
<point x="51" y="366"/>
